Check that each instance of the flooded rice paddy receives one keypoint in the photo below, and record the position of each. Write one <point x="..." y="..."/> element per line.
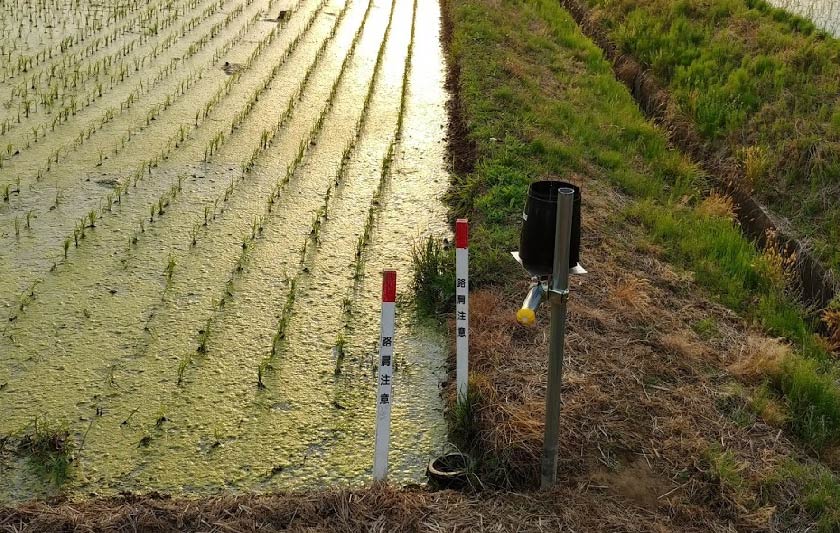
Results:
<point x="198" y="198"/>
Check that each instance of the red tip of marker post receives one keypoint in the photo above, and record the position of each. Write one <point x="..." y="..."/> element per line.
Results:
<point x="461" y="232"/>
<point x="389" y="285"/>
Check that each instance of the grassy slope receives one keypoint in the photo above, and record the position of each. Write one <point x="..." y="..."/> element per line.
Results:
<point x="540" y="102"/>
<point x="575" y="118"/>
<point x="753" y="78"/>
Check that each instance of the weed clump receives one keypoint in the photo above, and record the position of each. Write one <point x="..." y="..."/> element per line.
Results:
<point x="50" y="450"/>
<point x="434" y="276"/>
<point x="463" y="423"/>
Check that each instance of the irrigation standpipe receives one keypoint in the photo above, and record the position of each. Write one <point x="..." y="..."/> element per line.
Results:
<point x="549" y="252"/>
<point x="558" y="296"/>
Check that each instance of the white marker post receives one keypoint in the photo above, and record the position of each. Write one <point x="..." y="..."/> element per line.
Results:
<point x="384" y="375"/>
<point x="462" y="307"/>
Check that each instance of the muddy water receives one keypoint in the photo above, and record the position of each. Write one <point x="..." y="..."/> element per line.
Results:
<point x="824" y="13"/>
<point x="109" y="342"/>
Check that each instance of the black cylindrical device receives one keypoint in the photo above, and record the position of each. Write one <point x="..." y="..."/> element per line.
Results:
<point x="539" y="218"/>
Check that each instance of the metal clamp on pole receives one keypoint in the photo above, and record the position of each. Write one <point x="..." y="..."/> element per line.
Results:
<point x="558" y="295"/>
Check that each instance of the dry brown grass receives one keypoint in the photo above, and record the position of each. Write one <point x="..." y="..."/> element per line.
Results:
<point x="759" y="357"/>
<point x="632" y="292"/>
<point x="831" y="318"/>
<point x="717" y="205"/>
<point x="379" y="509"/>
<point x="682" y="343"/>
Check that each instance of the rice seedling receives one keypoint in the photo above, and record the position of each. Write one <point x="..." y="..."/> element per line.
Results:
<point x="28" y="296"/>
<point x="285" y="318"/>
<point x="203" y="337"/>
<point x="182" y="367"/>
<point x="194" y="235"/>
<point x="339" y="350"/>
<point x="262" y="369"/>
<point x="169" y="270"/>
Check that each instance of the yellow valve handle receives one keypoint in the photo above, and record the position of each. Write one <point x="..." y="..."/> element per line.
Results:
<point x="526" y="316"/>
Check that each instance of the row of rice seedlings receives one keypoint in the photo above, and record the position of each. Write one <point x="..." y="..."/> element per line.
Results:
<point x="312" y="241"/>
<point x="254" y="98"/>
<point x="156" y="210"/>
<point x="226" y="87"/>
<point x="110" y="114"/>
<point x="72" y="71"/>
<point x="267" y="136"/>
<point x="113" y="66"/>
<point x="285" y="317"/>
<point x="175" y="140"/>
<point x="235" y="274"/>
<point x="70" y="109"/>
<point x="65" y="114"/>
<point x="215" y="144"/>
<point x="310" y="244"/>
<point x="64" y="48"/>
<point x="366" y="231"/>
<point x="204" y="334"/>
<point x="257" y="229"/>
<point x="146" y="166"/>
<point x="290" y="170"/>
<point x="406" y="74"/>
<point x="376" y="202"/>
<point x="180" y="91"/>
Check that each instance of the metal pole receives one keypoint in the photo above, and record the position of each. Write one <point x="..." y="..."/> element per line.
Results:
<point x="558" y="294"/>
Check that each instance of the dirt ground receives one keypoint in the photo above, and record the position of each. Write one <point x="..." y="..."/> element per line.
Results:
<point x="655" y="392"/>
